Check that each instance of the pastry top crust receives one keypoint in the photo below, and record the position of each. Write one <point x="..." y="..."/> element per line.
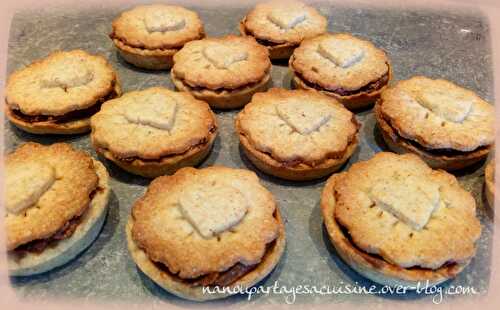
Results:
<point x="152" y="123"/>
<point x="227" y="62"/>
<point x="339" y="61"/>
<point x="397" y="207"/>
<point x="46" y="186"/>
<point x="489" y="175"/>
<point x="439" y="114"/>
<point x="199" y="221"/>
<point x="62" y="82"/>
<point x="284" y="22"/>
<point x="297" y="125"/>
<point x="157" y="26"/>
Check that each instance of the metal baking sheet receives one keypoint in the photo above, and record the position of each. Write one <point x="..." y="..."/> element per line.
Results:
<point x="448" y="44"/>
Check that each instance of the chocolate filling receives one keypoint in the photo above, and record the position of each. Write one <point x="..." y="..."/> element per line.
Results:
<point x="370" y="87"/>
<point x="112" y="36"/>
<point x="68" y="117"/>
<point x="221" y="89"/>
<point x="268" y="43"/>
<point x="436" y="152"/>
<point x="224" y="278"/>
<point x="68" y="229"/>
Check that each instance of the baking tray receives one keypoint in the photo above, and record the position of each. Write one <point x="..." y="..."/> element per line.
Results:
<point x="449" y="44"/>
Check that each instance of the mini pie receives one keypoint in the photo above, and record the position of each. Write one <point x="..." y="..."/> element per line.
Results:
<point x="282" y="25"/>
<point x="55" y="201"/>
<point x="489" y="183"/>
<point x="148" y="36"/>
<point x="154" y="131"/>
<point x="58" y="94"/>
<point x="225" y="72"/>
<point x="396" y="221"/>
<point x="448" y="126"/>
<point x="297" y="134"/>
<point x="212" y="227"/>
<point x="347" y="68"/>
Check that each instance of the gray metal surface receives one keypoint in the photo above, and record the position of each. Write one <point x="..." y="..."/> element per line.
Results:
<point x="450" y="45"/>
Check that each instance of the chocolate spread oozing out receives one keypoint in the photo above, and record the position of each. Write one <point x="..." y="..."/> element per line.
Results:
<point x="373" y="86"/>
<point x="70" y="116"/>
<point x="68" y="229"/>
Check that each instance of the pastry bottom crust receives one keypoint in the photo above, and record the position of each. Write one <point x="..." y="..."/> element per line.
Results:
<point x="489" y="183"/>
<point x="301" y="172"/>
<point x="147" y="59"/>
<point x="437" y="161"/>
<point x="225" y="99"/>
<point x="354" y="102"/>
<point x="371" y="266"/>
<point x="65" y="250"/>
<point x="165" y="165"/>
<point x="277" y="51"/>
<point x="47" y="127"/>
<point x="175" y="286"/>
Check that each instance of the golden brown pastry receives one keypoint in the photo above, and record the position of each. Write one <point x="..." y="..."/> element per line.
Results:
<point x="297" y="134"/>
<point x="154" y="131"/>
<point x="489" y="183"/>
<point x="225" y="72"/>
<point x="350" y="69"/>
<point x="390" y="219"/>
<point x="55" y="201"/>
<point x="148" y="36"/>
<point x="58" y="94"/>
<point x="207" y="227"/>
<point x="281" y="25"/>
<point x="449" y="127"/>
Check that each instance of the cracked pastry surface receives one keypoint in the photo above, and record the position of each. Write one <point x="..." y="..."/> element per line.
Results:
<point x="283" y="24"/>
<point x="438" y="114"/>
<point x="400" y="212"/>
<point x="152" y="124"/>
<point x="298" y="128"/>
<point x="199" y="223"/>
<point x="148" y="36"/>
<point x="46" y="187"/>
<point x="59" y="93"/>
<point x="226" y="66"/>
